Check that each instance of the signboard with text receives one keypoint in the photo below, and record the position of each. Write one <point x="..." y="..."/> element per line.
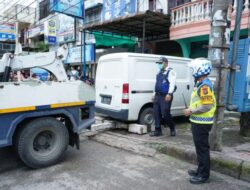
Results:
<point x="32" y="32"/>
<point x="74" y="55"/>
<point x="73" y="8"/>
<point x="117" y="8"/>
<point x="65" y="28"/>
<point x="50" y="31"/>
<point x="7" y="32"/>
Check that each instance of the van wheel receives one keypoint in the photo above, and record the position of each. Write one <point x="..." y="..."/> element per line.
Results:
<point x="42" y="142"/>
<point x="146" y="116"/>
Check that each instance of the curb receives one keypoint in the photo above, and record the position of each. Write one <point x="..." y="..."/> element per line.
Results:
<point x="225" y="165"/>
<point x="125" y="144"/>
<point x="237" y="168"/>
<point x="245" y="171"/>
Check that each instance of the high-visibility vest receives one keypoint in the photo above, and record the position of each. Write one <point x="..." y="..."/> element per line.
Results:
<point x="207" y="117"/>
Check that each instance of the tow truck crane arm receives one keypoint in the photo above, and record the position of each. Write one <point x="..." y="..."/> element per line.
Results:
<point x="50" y="61"/>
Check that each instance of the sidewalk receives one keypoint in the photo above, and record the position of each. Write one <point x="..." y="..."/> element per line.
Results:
<point x="234" y="160"/>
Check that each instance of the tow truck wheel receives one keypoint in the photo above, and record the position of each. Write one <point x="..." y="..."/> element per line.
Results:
<point x="42" y="142"/>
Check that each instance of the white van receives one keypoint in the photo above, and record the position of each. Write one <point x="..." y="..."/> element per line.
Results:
<point x="125" y="85"/>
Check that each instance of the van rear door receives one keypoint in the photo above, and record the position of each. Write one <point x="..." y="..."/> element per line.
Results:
<point x="111" y="77"/>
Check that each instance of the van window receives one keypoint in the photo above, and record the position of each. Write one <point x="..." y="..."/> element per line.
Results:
<point x="110" y="69"/>
<point x="145" y="69"/>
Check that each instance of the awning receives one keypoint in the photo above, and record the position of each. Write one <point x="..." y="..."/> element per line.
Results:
<point x="156" y="25"/>
<point x="109" y="40"/>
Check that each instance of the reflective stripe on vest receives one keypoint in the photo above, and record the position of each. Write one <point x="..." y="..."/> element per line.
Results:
<point x="202" y="118"/>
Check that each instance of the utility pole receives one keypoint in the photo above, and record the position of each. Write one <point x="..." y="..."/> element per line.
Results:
<point x="81" y="51"/>
<point x="233" y="63"/>
<point x="84" y="55"/>
<point x="17" y="33"/>
<point x="143" y="35"/>
<point x="219" y="42"/>
<point x="17" y="48"/>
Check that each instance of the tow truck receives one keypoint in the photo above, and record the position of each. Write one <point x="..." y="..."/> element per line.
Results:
<point x="40" y="119"/>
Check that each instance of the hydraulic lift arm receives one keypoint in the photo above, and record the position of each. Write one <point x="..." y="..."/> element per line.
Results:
<point x="50" y="61"/>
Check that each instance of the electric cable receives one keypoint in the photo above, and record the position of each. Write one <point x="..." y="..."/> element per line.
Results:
<point x="15" y="16"/>
<point x="51" y="9"/>
<point x="50" y="17"/>
<point x="17" y="2"/>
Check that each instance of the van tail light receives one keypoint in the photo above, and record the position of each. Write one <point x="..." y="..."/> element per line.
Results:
<point x="125" y="93"/>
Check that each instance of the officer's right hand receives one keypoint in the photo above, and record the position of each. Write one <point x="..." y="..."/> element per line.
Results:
<point x="187" y="112"/>
<point x="168" y="98"/>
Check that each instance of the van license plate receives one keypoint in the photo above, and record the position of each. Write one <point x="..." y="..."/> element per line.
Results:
<point x="106" y="100"/>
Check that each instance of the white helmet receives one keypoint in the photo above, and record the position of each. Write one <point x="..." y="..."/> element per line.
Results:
<point x="200" y="67"/>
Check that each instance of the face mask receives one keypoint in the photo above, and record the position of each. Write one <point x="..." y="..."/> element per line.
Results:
<point x="160" y="66"/>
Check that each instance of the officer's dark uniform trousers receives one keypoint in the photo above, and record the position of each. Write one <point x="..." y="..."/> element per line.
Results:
<point x="162" y="110"/>
<point x="161" y="106"/>
<point x="200" y="135"/>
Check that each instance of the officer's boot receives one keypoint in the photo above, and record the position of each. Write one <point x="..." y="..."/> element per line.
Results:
<point x="172" y="132"/>
<point x="156" y="133"/>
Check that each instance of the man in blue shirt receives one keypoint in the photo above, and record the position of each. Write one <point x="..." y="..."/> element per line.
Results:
<point x="164" y="89"/>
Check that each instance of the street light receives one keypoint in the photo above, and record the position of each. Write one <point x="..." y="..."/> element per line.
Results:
<point x="81" y="66"/>
<point x="83" y="61"/>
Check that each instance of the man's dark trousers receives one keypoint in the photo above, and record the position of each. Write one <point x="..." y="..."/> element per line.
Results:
<point x="201" y="141"/>
<point x="162" y="109"/>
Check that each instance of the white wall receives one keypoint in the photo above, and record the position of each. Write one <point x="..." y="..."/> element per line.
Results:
<point x="143" y="5"/>
<point x="26" y="14"/>
<point x="162" y="4"/>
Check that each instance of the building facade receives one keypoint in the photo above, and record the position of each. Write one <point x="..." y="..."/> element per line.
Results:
<point x="15" y="20"/>
<point x="190" y="25"/>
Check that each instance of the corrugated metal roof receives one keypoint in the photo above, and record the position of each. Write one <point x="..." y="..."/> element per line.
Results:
<point x="157" y="25"/>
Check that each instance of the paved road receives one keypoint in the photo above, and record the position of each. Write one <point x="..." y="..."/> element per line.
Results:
<point x="97" y="166"/>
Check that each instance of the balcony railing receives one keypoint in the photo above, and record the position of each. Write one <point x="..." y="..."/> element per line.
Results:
<point x="198" y="11"/>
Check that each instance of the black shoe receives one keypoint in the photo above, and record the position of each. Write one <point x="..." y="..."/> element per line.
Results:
<point x="172" y="133"/>
<point x="192" y="173"/>
<point x="198" y="180"/>
<point x="155" y="134"/>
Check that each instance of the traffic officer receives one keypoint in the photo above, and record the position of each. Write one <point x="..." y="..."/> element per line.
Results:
<point x="201" y="111"/>
<point x="164" y="89"/>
